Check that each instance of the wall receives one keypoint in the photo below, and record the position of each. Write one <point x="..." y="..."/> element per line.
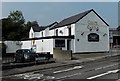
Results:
<point x="83" y="45"/>
<point x="45" y="45"/>
<point x="64" y="30"/>
<point x="47" y="32"/>
<point x="26" y="44"/>
<point x="62" y="54"/>
<point x="12" y="46"/>
<point x="36" y="34"/>
<point x="30" y="33"/>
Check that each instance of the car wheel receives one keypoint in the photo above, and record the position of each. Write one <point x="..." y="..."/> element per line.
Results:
<point x="16" y="60"/>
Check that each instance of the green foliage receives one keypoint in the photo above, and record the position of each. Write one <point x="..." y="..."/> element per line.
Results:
<point x="14" y="27"/>
<point x="17" y="17"/>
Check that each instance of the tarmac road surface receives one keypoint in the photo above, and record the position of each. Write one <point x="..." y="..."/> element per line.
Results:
<point x="104" y="69"/>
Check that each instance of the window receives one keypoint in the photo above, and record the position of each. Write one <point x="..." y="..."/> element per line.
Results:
<point x="19" y="51"/>
<point x="69" y="30"/>
<point x="93" y="37"/>
<point x="57" y="32"/>
<point x="59" y="43"/>
<point x="42" y="34"/>
<point x="27" y="51"/>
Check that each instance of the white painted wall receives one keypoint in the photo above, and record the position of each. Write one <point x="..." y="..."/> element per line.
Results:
<point x="52" y="32"/>
<point x="36" y="34"/>
<point x="26" y="44"/>
<point x="12" y="46"/>
<point x="45" y="45"/>
<point x="47" y="32"/>
<point x="64" y="29"/>
<point x="83" y="45"/>
<point x="41" y="33"/>
<point x="31" y="33"/>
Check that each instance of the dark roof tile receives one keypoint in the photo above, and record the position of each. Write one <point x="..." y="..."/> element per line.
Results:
<point x="74" y="19"/>
<point x="38" y="29"/>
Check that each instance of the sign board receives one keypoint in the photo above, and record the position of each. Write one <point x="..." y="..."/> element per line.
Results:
<point x="92" y="25"/>
<point x="93" y="37"/>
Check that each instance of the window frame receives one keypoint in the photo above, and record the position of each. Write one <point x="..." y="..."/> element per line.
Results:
<point x="59" y="43"/>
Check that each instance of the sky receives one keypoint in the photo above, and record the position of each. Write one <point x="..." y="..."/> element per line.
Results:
<point x="46" y="13"/>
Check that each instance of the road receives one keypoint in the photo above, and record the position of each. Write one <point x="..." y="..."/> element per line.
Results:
<point x="104" y="69"/>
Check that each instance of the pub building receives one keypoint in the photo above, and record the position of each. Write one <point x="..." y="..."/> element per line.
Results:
<point x="81" y="33"/>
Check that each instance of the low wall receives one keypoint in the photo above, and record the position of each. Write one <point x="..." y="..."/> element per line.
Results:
<point x="59" y="54"/>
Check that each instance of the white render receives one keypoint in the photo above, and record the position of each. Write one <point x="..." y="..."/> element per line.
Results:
<point x="45" y="45"/>
<point x="12" y="46"/>
<point x="83" y="45"/>
<point x="26" y="44"/>
<point x="31" y="33"/>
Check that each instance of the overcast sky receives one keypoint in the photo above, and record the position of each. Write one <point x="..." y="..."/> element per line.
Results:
<point x="46" y="13"/>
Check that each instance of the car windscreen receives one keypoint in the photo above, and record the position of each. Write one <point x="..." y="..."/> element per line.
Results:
<point x="28" y="51"/>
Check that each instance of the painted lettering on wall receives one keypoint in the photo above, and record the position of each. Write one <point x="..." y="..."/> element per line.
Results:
<point x="92" y="25"/>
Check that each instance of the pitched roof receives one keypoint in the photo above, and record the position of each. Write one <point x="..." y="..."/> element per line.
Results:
<point x="38" y="29"/>
<point x="52" y="24"/>
<point x="75" y="18"/>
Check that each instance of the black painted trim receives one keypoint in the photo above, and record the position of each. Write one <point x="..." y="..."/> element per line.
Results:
<point x="50" y="37"/>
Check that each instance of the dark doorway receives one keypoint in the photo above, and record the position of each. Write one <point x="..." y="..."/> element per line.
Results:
<point x="68" y="44"/>
<point x="116" y="40"/>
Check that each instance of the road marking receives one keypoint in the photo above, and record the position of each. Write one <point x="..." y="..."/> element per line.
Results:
<point x="113" y="71"/>
<point x="68" y="76"/>
<point x="76" y="67"/>
<point x="8" y="76"/>
<point x="25" y="73"/>
<point x="105" y="67"/>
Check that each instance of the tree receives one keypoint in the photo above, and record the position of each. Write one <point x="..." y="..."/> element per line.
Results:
<point x="13" y="25"/>
<point x="17" y="17"/>
<point x="118" y="28"/>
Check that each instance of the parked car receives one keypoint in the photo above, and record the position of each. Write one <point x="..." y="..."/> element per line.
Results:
<point x="23" y="55"/>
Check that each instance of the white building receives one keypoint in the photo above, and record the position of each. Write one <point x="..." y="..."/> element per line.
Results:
<point x="84" y="32"/>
